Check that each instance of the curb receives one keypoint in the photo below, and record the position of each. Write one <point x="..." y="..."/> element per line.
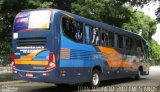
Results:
<point x="12" y="82"/>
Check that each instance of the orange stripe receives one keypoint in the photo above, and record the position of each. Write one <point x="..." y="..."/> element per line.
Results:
<point x="29" y="59"/>
<point x="114" y="58"/>
<point x="31" y="62"/>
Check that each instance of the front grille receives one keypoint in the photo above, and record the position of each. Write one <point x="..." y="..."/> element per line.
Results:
<point x="34" y="41"/>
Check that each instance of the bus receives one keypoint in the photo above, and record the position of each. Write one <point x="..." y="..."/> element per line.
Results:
<point x="55" y="46"/>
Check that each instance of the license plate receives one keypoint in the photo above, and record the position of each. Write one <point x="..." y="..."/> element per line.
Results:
<point x="29" y="75"/>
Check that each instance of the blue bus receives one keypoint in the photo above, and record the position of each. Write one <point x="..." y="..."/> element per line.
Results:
<point x="55" y="46"/>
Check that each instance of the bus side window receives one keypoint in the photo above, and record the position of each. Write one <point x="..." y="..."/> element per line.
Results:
<point x="111" y="39"/>
<point x="87" y="34"/>
<point x="103" y="39"/>
<point x="129" y="43"/>
<point x="139" y="46"/>
<point x="134" y="45"/>
<point x="79" y="32"/>
<point x="73" y="29"/>
<point x="66" y="26"/>
<point x="107" y="38"/>
<point x="146" y="51"/>
<point x="143" y="48"/>
<point x="120" y="41"/>
<point x="95" y="36"/>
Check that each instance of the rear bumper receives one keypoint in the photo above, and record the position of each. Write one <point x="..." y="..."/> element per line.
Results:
<point x="38" y="76"/>
<point x="72" y="76"/>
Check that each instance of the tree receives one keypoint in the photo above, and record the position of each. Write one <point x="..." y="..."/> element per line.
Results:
<point x="8" y="10"/>
<point x="139" y="21"/>
<point x="108" y="11"/>
<point x="113" y="13"/>
<point x="156" y="51"/>
<point x="135" y="2"/>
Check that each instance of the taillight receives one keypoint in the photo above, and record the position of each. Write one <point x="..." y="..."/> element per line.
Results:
<point x="13" y="61"/>
<point x="51" y="61"/>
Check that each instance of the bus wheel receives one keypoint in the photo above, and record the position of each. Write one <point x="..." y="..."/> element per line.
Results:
<point x="138" y="76"/>
<point x="95" y="79"/>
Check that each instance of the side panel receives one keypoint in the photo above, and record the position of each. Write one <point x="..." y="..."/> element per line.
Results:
<point x="77" y="61"/>
<point x="80" y="59"/>
<point x="116" y="58"/>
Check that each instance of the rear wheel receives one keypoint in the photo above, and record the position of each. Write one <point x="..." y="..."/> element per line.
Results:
<point x="95" y="79"/>
<point x="138" y="76"/>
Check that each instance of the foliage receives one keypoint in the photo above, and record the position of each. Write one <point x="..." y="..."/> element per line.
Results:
<point x="139" y="21"/>
<point x="135" y="2"/>
<point x="156" y="50"/>
<point x="107" y="11"/>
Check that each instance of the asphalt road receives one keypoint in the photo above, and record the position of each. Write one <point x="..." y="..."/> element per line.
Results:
<point x="149" y="83"/>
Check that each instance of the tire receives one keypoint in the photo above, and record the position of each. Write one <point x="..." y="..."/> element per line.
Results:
<point x="138" y="76"/>
<point x="95" y="79"/>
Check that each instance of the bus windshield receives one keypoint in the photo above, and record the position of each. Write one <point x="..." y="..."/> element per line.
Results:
<point x="32" y="20"/>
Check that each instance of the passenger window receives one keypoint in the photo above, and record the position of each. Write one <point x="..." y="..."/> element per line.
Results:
<point x="104" y="38"/>
<point x="111" y="39"/>
<point x="79" y="31"/>
<point x="91" y="35"/>
<point x="134" y="45"/>
<point x="95" y="36"/>
<point x="87" y="34"/>
<point x="143" y="46"/>
<point x="131" y="44"/>
<point x="139" y="46"/>
<point x="120" y="41"/>
<point x="107" y="39"/>
<point x="73" y="29"/>
<point x="128" y="43"/>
